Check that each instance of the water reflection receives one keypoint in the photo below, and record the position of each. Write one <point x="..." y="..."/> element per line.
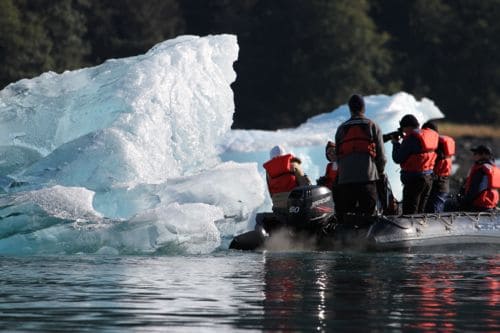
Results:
<point x="493" y="293"/>
<point x="283" y="292"/>
<point x="343" y="292"/>
<point x="436" y="304"/>
<point x="304" y="291"/>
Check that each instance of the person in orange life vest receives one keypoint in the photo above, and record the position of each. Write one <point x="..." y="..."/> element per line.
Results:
<point x="442" y="170"/>
<point x="330" y="177"/>
<point x="417" y="155"/>
<point x="483" y="181"/>
<point x="361" y="161"/>
<point x="283" y="174"/>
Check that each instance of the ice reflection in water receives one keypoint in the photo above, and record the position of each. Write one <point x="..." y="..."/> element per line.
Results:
<point x="232" y="291"/>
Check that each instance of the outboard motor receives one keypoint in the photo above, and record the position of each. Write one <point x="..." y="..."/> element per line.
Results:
<point x="310" y="208"/>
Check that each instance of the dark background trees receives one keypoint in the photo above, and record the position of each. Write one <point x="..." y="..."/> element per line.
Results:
<point x="297" y="58"/>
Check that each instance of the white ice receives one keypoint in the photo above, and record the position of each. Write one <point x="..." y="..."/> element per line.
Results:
<point x="136" y="155"/>
<point x="309" y="139"/>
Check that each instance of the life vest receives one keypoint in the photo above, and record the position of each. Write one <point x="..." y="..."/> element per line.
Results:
<point x="445" y="151"/>
<point x="281" y="177"/>
<point x="331" y="175"/>
<point x="425" y="159"/>
<point x="487" y="198"/>
<point x="357" y="138"/>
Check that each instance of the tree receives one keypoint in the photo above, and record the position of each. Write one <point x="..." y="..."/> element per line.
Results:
<point x="39" y="36"/>
<point x="304" y="58"/>
<point x="447" y="50"/>
<point x="24" y="47"/>
<point x="124" y="28"/>
<point x="66" y="26"/>
<point x="10" y="40"/>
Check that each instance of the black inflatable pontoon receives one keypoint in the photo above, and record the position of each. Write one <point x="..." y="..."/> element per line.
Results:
<point x="310" y="216"/>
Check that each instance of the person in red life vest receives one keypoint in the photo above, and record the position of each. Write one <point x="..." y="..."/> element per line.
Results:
<point x="330" y="177"/>
<point x="483" y="181"/>
<point x="417" y="155"/>
<point x="361" y="162"/>
<point x="442" y="170"/>
<point x="283" y="174"/>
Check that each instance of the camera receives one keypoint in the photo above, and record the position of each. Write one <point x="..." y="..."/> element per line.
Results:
<point x="397" y="134"/>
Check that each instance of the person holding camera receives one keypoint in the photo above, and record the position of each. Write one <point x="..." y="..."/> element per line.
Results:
<point x="417" y="155"/>
<point x="361" y="161"/>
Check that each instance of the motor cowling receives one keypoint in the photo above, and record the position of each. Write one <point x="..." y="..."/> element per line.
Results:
<point x="310" y="208"/>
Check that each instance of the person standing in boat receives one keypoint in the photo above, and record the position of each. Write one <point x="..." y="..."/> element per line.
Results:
<point x="283" y="174"/>
<point x="483" y="181"/>
<point x="330" y="178"/>
<point x="361" y="161"/>
<point x="442" y="170"/>
<point x="417" y="155"/>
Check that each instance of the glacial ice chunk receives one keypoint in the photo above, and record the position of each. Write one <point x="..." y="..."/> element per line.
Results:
<point x="132" y="120"/>
<point x="308" y="140"/>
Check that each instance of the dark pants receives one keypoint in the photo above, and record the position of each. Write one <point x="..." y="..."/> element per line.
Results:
<point x="356" y="198"/>
<point x="436" y="202"/>
<point x="416" y="192"/>
<point x="439" y="194"/>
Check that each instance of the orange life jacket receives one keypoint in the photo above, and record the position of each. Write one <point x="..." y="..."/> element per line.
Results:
<point x="281" y="177"/>
<point x="425" y="159"/>
<point x="446" y="149"/>
<point x="331" y="175"/>
<point x="488" y="198"/>
<point x="357" y="139"/>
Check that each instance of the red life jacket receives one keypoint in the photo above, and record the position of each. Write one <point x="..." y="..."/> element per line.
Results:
<point x="446" y="149"/>
<point x="357" y="139"/>
<point x="425" y="159"/>
<point x="281" y="177"/>
<point x="331" y="175"/>
<point x="489" y="197"/>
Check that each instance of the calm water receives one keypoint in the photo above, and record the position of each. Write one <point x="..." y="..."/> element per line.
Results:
<point x="233" y="291"/>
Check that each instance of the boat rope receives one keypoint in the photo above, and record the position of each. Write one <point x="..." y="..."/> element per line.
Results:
<point x="422" y="220"/>
<point x="387" y="220"/>
<point x="448" y="223"/>
<point x="474" y="217"/>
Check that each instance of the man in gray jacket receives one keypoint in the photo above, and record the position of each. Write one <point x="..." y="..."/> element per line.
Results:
<point x="361" y="161"/>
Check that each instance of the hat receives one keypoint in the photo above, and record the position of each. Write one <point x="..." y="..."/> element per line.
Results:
<point x="430" y="125"/>
<point x="356" y="103"/>
<point x="409" y="120"/>
<point x="482" y="149"/>
<point x="276" y="151"/>
<point x="330" y="144"/>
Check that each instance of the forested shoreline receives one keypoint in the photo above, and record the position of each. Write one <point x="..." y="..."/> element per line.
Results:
<point x="298" y="58"/>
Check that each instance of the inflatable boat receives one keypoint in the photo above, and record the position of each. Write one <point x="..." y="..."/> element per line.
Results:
<point x="309" y="219"/>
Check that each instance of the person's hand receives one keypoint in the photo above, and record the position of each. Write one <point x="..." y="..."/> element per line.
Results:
<point x="321" y="181"/>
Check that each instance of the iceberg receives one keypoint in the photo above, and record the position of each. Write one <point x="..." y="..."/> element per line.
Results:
<point x="308" y="140"/>
<point x="137" y="155"/>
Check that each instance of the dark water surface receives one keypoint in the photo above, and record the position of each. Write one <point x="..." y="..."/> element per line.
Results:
<point x="234" y="291"/>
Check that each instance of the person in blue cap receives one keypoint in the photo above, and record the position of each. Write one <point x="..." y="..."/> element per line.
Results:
<point x="483" y="181"/>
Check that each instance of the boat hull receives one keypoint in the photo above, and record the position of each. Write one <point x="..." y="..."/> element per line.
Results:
<point x="382" y="233"/>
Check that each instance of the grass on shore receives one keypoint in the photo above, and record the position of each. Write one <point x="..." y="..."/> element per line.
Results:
<point x="461" y="130"/>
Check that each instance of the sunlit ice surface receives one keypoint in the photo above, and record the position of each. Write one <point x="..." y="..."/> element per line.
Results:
<point x="308" y="140"/>
<point x="137" y="155"/>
